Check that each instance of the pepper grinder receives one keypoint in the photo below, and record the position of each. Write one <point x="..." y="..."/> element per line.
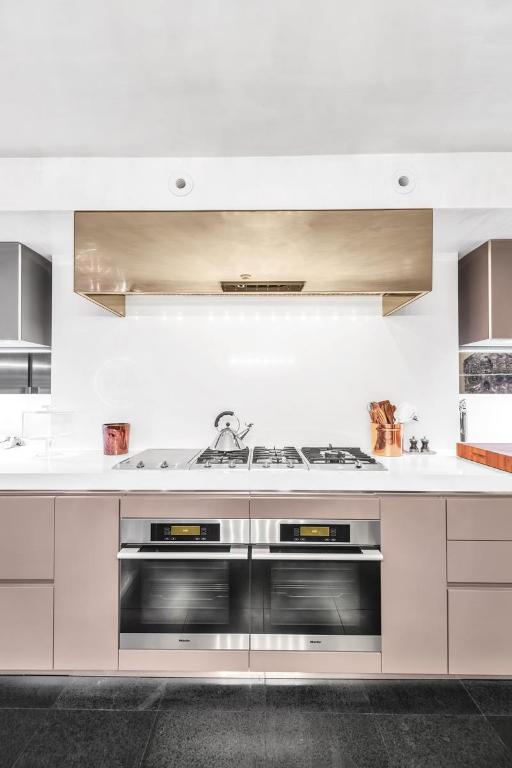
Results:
<point x="424" y="445"/>
<point x="413" y="445"/>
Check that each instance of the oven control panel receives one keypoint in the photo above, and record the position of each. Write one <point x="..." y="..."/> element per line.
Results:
<point x="181" y="532"/>
<point x="302" y="533"/>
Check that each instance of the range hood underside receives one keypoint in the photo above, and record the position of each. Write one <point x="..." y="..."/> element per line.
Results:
<point x="292" y="253"/>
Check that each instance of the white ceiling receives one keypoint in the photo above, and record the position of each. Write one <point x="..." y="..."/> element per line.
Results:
<point x="464" y="229"/>
<point x="248" y="77"/>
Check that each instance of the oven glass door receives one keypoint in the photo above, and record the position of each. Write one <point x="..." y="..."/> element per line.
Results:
<point x="178" y="598"/>
<point x="316" y="597"/>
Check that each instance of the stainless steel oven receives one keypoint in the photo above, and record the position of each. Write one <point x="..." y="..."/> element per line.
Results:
<point x="184" y="584"/>
<point x="315" y="585"/>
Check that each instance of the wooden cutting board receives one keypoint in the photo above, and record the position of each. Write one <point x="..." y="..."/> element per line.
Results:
<point x="497" y="455"/>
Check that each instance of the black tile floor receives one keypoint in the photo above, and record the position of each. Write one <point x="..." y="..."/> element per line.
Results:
<point x="98" y="722"/>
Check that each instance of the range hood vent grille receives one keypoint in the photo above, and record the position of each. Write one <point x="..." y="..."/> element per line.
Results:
<point x="291" y="286"/>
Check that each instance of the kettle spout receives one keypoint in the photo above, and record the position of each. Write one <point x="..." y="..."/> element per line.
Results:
<point x="243" y="433"/>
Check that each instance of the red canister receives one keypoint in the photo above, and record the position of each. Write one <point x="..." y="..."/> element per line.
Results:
<point x="116" y="439"/>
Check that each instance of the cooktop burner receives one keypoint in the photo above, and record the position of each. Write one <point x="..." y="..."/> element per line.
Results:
<point x="212" y="458"/>
<point x="260" y="458"/>
<point x="275" y="458"/>
<point x="331" y="457"/>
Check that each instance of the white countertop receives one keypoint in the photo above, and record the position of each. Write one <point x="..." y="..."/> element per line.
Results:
<point x="22" y="470"/>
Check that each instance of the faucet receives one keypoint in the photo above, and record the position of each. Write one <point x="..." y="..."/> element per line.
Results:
<point x="463" y="420"/>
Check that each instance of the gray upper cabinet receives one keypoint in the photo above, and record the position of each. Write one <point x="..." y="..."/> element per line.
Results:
<point x="25" y="374"/>
<point x="25" y="297"/>
<point x="485" y="288"/>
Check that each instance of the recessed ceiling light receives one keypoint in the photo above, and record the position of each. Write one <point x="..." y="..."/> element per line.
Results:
<point x="404" y="181"/>
<point x="180" y="183"/>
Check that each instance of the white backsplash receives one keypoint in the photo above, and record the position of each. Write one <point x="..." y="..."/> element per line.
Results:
<point x="12" y="408"/>
<point x="489" y="418"/>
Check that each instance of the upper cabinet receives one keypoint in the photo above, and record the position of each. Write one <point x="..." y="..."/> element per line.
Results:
<point x="25" y="373"/>
<point x="485" y="288"/>
<point x="25" y="297"/>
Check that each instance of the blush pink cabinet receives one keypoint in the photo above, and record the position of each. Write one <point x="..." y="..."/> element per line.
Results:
<point x="86" y="583"/>
<point x="26" y="538"/>
<point x="185" y="505"/>
<point x="480" y="562"/>
<point x="414" y="612"/>
<point x="321" y="506"/>
<point x="479" y="518"/>
<point x="26" y="627"/>
<point x="480" y="637"/>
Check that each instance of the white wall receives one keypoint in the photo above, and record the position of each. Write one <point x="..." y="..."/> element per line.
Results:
<point x="12" y="408"/>
<point x="489" y="418"/>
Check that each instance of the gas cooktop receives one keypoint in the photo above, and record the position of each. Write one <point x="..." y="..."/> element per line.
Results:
<point x="259" y="458"/>
<point x="330" y="457"/>
<point x="277" y="458"/>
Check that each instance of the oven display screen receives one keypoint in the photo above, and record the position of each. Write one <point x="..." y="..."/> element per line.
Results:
<point x="185" y="530"/>
<point x="310" y="531"/>
<point x="182" y="532"/>
<point x="328" y="533"/>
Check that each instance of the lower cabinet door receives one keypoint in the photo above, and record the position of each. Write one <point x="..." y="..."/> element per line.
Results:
<point x="480" y="631"/>
<point x="26" y="627"/>
<point x="86" y="583"/>
<point x="414" y="631"/>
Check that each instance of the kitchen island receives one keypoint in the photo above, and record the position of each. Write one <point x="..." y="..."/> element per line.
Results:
<point x="444" y="530"/>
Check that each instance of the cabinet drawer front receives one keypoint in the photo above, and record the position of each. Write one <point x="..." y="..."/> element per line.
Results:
<point x="480" y="518"/>
<point x="26" y="626"/>
<point x="480" y="631"/>
<point x="26" y="537"/>
<point x="318" y="662"/>
<point x="185" y="506"/>
<point x="315" y="507"/>
<point x="480" y="561"/>
<point x="183" y="661"/>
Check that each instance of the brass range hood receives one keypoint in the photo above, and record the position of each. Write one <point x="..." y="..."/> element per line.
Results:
<point x="293" y="253"/>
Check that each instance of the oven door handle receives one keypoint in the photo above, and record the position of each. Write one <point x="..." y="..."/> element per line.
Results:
<point x="134" y="553"/>
<point x="365" y="555"/>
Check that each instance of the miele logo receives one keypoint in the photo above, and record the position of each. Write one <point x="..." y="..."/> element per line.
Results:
<point x="316" y="642"/>
<point x="184" y="640"/>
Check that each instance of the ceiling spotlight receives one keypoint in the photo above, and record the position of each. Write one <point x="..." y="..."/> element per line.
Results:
<point x="404" y="182"/>
<point x="180" y="183"/>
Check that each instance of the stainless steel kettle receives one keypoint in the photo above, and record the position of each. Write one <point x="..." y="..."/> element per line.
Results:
<point x="229" y="437"/>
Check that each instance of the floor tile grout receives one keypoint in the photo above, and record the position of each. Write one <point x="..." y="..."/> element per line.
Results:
<point x="148" y="740"/>
<point x="475" y="702"/>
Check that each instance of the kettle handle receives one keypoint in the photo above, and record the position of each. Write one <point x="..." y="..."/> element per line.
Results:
<point x="224" y="413"/>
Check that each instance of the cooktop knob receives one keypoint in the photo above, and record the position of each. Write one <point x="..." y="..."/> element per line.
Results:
<point x="164" y="465"/>
<point x="232" y="464"/>
<point x="207" y="464"/>
<point x="140" y="465"/>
